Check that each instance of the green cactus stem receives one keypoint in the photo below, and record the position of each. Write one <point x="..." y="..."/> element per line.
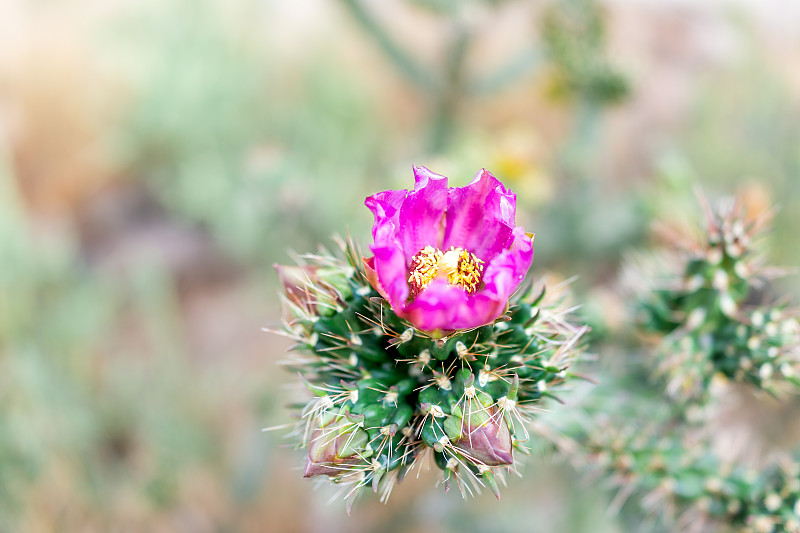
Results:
<point x="386" y="396"/>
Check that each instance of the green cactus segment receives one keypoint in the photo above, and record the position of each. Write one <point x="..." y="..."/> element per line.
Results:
<point x="573" y="34"/>
<point x="694" y="478"/>
<point x="711" y="326"/>
<point x="462" y="396"/>
<point x="718" y="336"/>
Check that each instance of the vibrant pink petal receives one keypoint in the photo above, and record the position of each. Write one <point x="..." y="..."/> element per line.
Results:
<point x="446" y="307"/>
<point x="390" y="265"/>
<point x="424" y="176"/>
<point x="372" y="276"/>
<point x="437" y="307"/>
<point x="480" y="216"/>
<point x="387" y="270"/>
<point x="422" y="212"/>
<point x="385" y="207"/>
<point x="506" y="271"/>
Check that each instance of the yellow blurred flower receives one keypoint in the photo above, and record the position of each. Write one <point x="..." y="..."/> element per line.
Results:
<point x="516" y="157"/>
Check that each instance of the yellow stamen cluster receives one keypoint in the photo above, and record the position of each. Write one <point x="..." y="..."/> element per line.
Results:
<point x="468" y="272"/>
<point x="424" y="267"/>
<point x="456" y="265"/>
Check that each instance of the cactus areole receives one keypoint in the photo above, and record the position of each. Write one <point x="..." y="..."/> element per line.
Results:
<point x="429" y="348"/>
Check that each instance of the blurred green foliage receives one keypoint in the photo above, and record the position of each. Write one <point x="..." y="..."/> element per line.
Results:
<point x="80" y="407"/>
<point x="725" y="355"/>
<point x="252" y="148"/>
<point x="573" y="33"/>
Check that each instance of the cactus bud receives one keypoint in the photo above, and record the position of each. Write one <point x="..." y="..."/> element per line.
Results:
<point x="331" y="450"/>
<point x="486" y="438"/>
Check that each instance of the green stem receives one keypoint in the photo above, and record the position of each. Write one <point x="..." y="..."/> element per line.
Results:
<point x="577" y="156"/>
<point x="451" y="93"/>
<point x="526" y="61"/>
<point x="403" y="61"/>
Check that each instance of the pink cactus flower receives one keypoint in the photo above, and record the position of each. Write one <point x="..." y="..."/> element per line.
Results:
<point x="447" y="258"/>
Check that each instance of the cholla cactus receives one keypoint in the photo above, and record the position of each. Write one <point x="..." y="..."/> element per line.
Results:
<point x="776" y="505"/>
<point x="708" y="313"/>
<point x="720" y="339"/>
<point x="428" y="348"/>
<point x="573" y="35"/>
<point x="694" y="490"/>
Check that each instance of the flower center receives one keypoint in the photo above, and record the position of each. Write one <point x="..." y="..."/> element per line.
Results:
<point x="456" y="265"/>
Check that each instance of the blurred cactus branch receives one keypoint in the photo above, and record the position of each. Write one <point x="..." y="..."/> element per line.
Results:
<point x="574" y="39"/>
<point x="445" y="92"/>
<point x="452" y="89"/>
<point x="525" y="62"/>
<point x="414" y="72"/>
<point x="577" y="156"/>
<point x="574" y="42"/>
<point x="723" y="341"/>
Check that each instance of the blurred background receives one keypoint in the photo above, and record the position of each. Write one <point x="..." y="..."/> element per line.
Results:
<point x="157" y="157"/>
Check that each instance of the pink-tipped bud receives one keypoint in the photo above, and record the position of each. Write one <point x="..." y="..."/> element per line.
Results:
<point x="486" y="438"/>
<point x="297" y="282"/>
<point x="332" y="452"/>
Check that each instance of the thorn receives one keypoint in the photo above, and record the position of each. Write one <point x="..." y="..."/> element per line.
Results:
<point x="553" y="396"/>
<point x="528" y="323"/>
<point x="590" y="379"/>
